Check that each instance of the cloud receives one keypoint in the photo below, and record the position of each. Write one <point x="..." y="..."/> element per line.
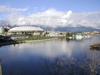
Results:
<point x="66" y="17"/>
<point x="89" y="19"/>
<point x="7" y="10"/>
<point x="12" y="14"/>
<point x="50" y="17"/>
<point x="53" y="18"/>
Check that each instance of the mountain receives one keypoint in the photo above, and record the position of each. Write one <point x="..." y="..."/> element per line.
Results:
<point x="76" y="29"/>
<point x="68" y="28"/>
<point x="71" y="29"/>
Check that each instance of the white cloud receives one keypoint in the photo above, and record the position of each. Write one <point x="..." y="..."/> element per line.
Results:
<point x="90" y="19"/>
<point x="50" y="17"/>
<point x="55" y="18"/>
<point x="7" y="9"/>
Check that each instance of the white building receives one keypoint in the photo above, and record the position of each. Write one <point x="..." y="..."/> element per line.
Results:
<point x="55" y="34"/>
<point x="25" y="30"/>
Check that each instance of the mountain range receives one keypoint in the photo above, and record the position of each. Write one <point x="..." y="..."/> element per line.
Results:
<point x="71" y="29"/>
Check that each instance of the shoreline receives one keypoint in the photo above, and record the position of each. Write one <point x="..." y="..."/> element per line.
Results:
<point x="24" y="41"/>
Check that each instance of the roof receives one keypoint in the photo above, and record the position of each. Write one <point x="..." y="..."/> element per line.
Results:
<point x="25" y="28"/>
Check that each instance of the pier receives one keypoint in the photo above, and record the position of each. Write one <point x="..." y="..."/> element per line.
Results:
<point x="0" y="69"/>
<point x="95" y="47"/>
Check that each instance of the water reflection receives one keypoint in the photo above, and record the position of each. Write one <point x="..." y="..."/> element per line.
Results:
<point x="46" y="48"/>
<point x="54" y="57"/>
<point x="95" y="62"/>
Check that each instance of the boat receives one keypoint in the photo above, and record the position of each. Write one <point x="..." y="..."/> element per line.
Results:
<point x="95" y="46"/>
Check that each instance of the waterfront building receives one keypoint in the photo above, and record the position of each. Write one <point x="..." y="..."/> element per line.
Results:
<point x="55" y="34"/>
<point x="79" y="37"/>
<point x="52" y="34"/>
<point x="25" y="30"/>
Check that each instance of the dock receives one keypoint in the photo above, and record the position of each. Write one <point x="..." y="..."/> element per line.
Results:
<point x="95" y="47"/>
<point x="0" y="69"/>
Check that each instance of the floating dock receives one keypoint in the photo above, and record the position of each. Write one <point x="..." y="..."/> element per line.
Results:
<point x="0" y="69"/>
<point x="95" y="47"/>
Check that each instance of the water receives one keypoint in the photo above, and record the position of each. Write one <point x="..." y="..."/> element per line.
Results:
<point x="53" y="57"/>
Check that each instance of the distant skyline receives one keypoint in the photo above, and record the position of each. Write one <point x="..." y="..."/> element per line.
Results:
<point x="49" y="12"/>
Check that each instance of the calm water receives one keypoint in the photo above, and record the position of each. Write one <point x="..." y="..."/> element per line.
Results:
<point x="53" y="57"/>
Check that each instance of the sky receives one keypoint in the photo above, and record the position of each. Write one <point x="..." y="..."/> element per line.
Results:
<point x="62" y="5"/>
<point x="66" y="11"/>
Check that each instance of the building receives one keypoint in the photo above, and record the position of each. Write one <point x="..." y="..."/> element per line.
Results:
<point x="55" y="34"/>
<point x="25" y="31"/>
